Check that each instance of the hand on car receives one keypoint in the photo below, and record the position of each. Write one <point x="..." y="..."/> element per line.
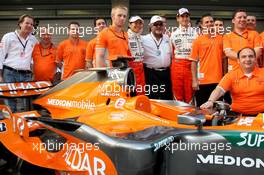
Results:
<point x="208" y="104"/>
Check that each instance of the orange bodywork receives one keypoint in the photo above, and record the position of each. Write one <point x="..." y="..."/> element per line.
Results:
<point x="24" y="88"/>
<point x="110" y="111"/>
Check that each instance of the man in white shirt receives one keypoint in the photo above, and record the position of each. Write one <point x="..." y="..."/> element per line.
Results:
<point x="16" y="55"/>
<point x="181" y="74"/>
<point x="157" y="60"/>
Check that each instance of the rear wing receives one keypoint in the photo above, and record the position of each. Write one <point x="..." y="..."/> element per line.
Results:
<point x="24" y="89"/>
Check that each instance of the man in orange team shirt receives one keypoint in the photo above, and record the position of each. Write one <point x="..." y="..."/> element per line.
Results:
<point x="245" y="84"/>
<point x="113" y="40"/>
<point x="251" y="22"/>
<point x="262" y="39"/>
<point x="71" y="52"/>
<point x="44" y="57"/>
<point x="239" y="38"/>
<point x="100" y="24"/>
<point x="207" y="51"/>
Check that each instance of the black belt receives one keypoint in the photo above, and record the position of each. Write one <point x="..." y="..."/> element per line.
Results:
<point x="158" y="69"/>
<point x="16" y="70"/>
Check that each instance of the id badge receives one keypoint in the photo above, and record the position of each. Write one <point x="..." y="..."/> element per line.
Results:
<point x="200" y="75"/>
<point x="158" y="52"/>
<point x="22" y="54"/>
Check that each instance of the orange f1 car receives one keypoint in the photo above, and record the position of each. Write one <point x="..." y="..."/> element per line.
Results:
<point x="91" y="124"/>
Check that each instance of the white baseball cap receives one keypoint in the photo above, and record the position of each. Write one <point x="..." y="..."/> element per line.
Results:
<point x="181" y="11"/>
<point x="135" y="18"/>
<point x="155" y="18"/>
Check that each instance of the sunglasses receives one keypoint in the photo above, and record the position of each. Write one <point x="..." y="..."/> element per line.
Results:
<point x="158" y="24"/>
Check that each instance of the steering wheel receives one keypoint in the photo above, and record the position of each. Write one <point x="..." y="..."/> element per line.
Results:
<point x="221" y="117"/>
<point x="220" y="105"/>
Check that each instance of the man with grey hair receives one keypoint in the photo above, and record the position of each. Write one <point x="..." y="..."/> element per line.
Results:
<point x="157" y="60"/>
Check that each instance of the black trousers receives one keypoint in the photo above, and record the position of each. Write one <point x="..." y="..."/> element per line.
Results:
<point x="204" y="93"/>
<point x="158" y="84"/>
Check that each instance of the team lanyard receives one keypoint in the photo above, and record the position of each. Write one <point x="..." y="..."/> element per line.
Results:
<point x="24" y="46"/>
<point x="158" y="52"/>
<point x="156" y="43"/>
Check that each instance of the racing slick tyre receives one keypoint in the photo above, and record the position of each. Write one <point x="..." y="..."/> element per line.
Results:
<point x="25" y="168"/>
<point x="7" y="160"/>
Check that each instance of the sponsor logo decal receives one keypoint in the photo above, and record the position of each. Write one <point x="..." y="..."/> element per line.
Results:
<point x="246" y="121"/>
<point x="6" y="113"/>
<point x="251" y="140"/>
<point x="12" y="88"/>
<point x="83" y="104"/>
<point x="163" y="143"/>
<point x="117" y="116"/>
<point x="110" y="90"/>
<point x="2" y="127"/>
<point x="82" y="161"/>
<point x="246" y="162"/>
<point x="114" y="74"/>
<point x="20" y="125"/>
<point x="120" y="103"/>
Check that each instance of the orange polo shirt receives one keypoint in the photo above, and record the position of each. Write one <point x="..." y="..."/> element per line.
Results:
<point x="262" y="38"/>
<point x="44" y="62"/>
<point x="116" y="43"/>
<point x="90" y="50"/>
<point x="236" y="42"/>
<point x="247" y="93"/>
<point x="209" y="52"/>
<point x="73" y="56"/>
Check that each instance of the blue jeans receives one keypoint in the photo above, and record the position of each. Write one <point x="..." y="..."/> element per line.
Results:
<point x="12" y="76"/>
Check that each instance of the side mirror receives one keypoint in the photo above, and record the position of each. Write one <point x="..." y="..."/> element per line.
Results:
<point x="192" y="119"/>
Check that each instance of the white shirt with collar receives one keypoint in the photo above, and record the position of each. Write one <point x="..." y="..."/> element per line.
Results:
<point x="154" y="57"/>
<point x="14" y="54"/>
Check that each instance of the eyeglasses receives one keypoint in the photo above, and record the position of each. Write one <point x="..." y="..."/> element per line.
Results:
<point x="158" y="24"/>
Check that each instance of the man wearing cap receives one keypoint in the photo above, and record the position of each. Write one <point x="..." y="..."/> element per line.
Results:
<point x="137" y="51"/>
<point x="181" y="74"/>
<point x="157" y="60"/>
